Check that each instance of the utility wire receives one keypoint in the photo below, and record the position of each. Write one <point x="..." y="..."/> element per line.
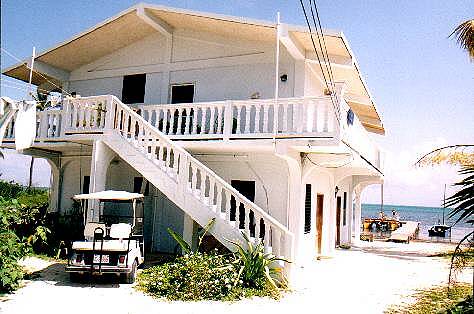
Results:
<point x="20" y="87"/>
<point x="40" y="74"/>
<point x="323" y="46"/>
<point x="319" y="60"/>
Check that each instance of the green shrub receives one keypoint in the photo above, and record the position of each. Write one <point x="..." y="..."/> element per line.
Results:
<point x="192" y="277"/>
<point x="24" y="225"/>
<point x="9" y="190"/>
<point x="11" y="250"/>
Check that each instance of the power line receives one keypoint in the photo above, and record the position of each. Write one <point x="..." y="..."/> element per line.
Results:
<point x="40" y="74"/>
<point x="23" y="88"/>
<point x="319" y="61"/>
<point x="323" y="46"/>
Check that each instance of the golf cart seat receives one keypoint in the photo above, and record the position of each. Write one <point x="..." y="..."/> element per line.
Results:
<point x="90" y="228"/>
<point x="120" y="231"/>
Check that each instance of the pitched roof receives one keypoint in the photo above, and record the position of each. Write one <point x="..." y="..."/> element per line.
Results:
<point x="97" y="42"/>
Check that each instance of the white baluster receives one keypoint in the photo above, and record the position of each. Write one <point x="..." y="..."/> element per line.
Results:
<point x="265" y="126"/>
<point x="212" y="122"/>
<point x="247" y="118"/>
<point x="219" y="119"/>
<point x="239" y="110"/>
<point x="257" y="227"/>
<point x="180" y="121"/>
<point x="195" y="118"/>
<point x="203" y="119"/>
<point x="257" y="118"/>
<point x="171" y="130"/>
<point x="188" y="117"/>
<point x="285" y="118"/>
<point x="227" y="206"/>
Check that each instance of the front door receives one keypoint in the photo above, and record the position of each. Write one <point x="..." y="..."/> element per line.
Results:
<point x="338" y="221"/>
<point x="319" y="220"/>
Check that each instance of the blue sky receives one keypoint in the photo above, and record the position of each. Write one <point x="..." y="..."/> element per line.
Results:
<point x="423" y="83"/>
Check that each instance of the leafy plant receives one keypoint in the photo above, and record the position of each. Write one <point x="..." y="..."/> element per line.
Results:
<point x="192" y="277"/>
<point x="11" y="250"/>
<point x="186" y="247"/>
<point x="258" y="269"/>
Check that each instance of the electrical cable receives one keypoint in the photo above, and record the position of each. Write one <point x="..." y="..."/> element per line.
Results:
<point x="323" y="46"/>
<point x="319" y="61"/>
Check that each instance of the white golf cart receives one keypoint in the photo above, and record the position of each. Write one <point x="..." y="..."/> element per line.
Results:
<point x="113" y="243"/>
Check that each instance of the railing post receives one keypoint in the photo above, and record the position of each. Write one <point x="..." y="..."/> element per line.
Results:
<point x="109" y="113"/>
<point x="227" y="120"/>
<point x="43" y="127"/>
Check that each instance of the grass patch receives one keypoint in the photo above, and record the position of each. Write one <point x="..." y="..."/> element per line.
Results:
<point x="468" y="253"/>
<point x="434" y="300"/>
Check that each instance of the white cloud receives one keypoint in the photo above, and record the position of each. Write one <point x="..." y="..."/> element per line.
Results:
<point x="406" y="184"/>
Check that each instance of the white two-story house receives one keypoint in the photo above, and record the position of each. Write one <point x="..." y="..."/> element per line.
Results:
<point x="182" y="106"/>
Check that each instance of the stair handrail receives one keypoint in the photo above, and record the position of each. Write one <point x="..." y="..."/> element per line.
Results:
<point x="216" y="177"/>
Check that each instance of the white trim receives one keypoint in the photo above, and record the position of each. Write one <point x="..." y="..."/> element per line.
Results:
<point x="161" y="26"/>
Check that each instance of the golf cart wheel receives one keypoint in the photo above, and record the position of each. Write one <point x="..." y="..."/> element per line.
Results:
<point x="130" y="277"/>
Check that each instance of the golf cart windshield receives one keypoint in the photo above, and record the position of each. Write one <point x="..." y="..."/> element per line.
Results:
<point x="111" y="207"/>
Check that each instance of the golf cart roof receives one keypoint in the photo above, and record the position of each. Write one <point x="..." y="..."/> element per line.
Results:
<point x="109" y="195"/>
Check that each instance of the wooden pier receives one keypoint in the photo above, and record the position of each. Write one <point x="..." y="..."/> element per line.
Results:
<point x="408" y="231"/>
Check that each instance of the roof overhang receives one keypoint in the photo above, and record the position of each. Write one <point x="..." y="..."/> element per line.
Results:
<point x="141" y="20"/>
<point x="109" y="196"/>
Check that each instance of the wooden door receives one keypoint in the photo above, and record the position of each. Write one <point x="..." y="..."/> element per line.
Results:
<point x="338" y="221"/>
<point x="319" y="220"/>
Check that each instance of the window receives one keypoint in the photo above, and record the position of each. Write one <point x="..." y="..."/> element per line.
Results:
<point x="133" y="89"/>
<point x="182" y="93"/>
<point x="344" y="207"/>
<point x="307" y="209"/>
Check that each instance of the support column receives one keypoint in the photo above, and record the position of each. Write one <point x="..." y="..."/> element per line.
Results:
<point x="54" y="191"/>
<point x="357" y="217"/>
<point x="188" y="228"/>
<point x="102" y="155"/>
<point x="295" y="201"/>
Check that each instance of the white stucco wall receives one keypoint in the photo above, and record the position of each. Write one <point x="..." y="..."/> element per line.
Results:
<point x="159" y="212"/>
<point x="345" y="186"/>
<point x="321" y="183"/>
<point x="73" y="168"/>
<point x="221" y="68"/>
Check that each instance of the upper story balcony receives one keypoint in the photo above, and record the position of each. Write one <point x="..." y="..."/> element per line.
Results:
<point x="314" y="120"/>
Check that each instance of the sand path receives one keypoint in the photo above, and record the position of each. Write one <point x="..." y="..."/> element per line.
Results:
<point x="365" y="279"/>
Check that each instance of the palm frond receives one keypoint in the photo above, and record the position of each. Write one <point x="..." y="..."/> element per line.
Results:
<point x="182" y="243"/>
<point x="464" y="34"/>
<point x="206" y="229"/>
<point x="463" y="200"/>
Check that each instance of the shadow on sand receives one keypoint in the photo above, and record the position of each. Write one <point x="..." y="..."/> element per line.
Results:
<point x="55" y="274"/>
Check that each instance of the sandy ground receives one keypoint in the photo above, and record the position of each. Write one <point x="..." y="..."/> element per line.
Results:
<point x="365" y="279"/>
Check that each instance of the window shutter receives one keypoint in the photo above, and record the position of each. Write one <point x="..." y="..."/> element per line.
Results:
<point x="307" y="209"/>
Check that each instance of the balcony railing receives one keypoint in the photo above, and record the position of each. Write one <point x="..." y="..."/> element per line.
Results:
<point x="308" y="117"/>
<point x="290" y="117"/>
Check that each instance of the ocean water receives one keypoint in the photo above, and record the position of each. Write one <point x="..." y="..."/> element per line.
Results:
<point x="427" y="216"/>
